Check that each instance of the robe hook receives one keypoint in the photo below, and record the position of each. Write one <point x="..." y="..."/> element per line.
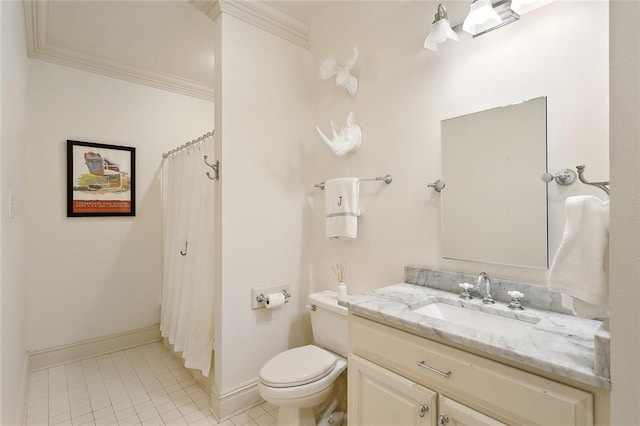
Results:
<point x="216" y="169"/>
<point x="437" y="185"/>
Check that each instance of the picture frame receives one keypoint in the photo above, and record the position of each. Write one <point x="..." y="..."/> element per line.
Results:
<point x="100" y="179"/>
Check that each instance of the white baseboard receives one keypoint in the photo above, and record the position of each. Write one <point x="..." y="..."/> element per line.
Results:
<point x="24" y="391"/>
<point x="228" y="404"/>
<point x="205" y="382"/>
<point x="89" y="348"/>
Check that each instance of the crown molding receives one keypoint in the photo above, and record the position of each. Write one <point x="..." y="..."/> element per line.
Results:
<point x="261" y="15"/>
<point x="38" y="47"/>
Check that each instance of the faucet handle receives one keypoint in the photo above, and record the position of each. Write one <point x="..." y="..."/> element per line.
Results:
<point x="465" y="291"/>
<point x="515" y="300"/>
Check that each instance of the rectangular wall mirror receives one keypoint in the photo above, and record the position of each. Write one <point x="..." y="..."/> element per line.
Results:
<point x="494" y="204"/>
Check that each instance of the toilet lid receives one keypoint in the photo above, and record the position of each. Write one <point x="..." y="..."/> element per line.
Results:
<point x="297" y="367"/>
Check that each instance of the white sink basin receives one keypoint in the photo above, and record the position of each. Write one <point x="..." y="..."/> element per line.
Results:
<point x="475" y="319"/>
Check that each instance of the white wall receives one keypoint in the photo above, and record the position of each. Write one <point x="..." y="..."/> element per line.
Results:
<point x="625" y="212"/>
<point x="263" y="117"/>
<point x="91" y="277"/>
<point x="13" y="117"/>
<point x="559" y="51"/>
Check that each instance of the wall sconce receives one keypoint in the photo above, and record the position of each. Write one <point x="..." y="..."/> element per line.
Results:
<point x="441" y="30"/>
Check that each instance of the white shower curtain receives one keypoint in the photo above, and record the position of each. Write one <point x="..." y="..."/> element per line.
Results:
<point x="187" y="312"/>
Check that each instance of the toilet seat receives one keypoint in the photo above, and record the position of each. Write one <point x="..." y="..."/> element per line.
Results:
<point x="297" y="367"/>
<point x="312" y="392"/>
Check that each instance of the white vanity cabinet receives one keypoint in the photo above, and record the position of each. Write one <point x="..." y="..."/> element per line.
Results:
<point x="393" y="373"/>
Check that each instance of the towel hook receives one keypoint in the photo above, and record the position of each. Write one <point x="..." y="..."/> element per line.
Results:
<point x="216" y="169"/>
<point x="186" y="249"/>
<point x="437" y="185"/>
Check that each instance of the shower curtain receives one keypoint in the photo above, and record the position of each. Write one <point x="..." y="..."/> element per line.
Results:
<point x="187" y="311"/>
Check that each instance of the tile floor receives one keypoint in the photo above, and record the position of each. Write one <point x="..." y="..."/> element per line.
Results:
<point x="145" y="385"/>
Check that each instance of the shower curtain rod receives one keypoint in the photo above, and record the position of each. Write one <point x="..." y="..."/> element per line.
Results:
<point x="188" y="144"/>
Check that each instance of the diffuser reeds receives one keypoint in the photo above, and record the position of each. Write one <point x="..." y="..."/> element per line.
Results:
<point x="340" y="271"/>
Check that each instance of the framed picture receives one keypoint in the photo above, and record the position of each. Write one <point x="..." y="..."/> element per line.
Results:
<point x="100" y="179"/>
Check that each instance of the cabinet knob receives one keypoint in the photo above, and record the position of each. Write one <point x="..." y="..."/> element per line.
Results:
<point x="442" y="420"/>
<point x="422" y="409"/>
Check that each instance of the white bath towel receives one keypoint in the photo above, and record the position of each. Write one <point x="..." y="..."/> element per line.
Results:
<point x="342" y="208"/>
<point x="578" y="270"/>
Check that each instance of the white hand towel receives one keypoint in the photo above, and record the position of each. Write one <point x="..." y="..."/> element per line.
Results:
<point x="342" y="208"/>
<point x="578" y="270"/>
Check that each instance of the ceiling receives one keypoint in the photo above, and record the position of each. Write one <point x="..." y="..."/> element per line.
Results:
<point x="168" y="44"/>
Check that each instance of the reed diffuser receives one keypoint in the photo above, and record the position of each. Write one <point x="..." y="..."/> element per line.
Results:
<point x="340" y="271"/>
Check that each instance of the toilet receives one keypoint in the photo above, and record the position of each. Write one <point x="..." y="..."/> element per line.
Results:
<point x="302" y="378"/>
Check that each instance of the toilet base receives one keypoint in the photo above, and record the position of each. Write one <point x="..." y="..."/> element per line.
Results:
<point x="299" y="411"/>
<point x="296" y="416"/>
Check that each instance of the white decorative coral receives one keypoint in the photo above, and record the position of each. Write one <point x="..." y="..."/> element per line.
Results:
<point x="328" y="68"/>
<point x="346" y="139"/>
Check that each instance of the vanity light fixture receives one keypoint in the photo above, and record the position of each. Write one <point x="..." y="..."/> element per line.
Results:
<point x="485" y="16"/>
<point x="441" y="30"/>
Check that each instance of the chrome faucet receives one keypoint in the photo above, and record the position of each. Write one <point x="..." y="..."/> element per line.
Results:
<point x="483" y="278"/>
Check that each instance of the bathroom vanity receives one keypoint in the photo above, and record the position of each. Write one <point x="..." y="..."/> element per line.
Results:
<point x="411" y="365"/>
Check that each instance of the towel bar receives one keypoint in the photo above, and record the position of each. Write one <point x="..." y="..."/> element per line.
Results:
<point x="602" y="185"/>
<point x="563" y="177"/>
<point x="567" y="176"/>
<point x="386" y="178"/>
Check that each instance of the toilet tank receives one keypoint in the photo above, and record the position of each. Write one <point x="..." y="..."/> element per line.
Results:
<point x="329" y="322"/>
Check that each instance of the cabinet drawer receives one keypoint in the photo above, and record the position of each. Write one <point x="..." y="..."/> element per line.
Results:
<point x="496" y="389"/>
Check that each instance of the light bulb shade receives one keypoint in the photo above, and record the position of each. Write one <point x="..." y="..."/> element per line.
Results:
<point x="524" y="6"/>
<point x="440" y="32"/>
<point x="481" y="17"/>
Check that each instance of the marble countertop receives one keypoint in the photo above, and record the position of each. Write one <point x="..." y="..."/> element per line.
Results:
<point x="558" y="343"/>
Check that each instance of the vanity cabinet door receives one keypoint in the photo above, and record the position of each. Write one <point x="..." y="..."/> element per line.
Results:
<point x="378" y="397"/>
<point x="455" y="414"/>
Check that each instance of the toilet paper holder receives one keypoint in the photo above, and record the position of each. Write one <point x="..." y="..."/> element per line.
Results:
<point x="261" y="298"/>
